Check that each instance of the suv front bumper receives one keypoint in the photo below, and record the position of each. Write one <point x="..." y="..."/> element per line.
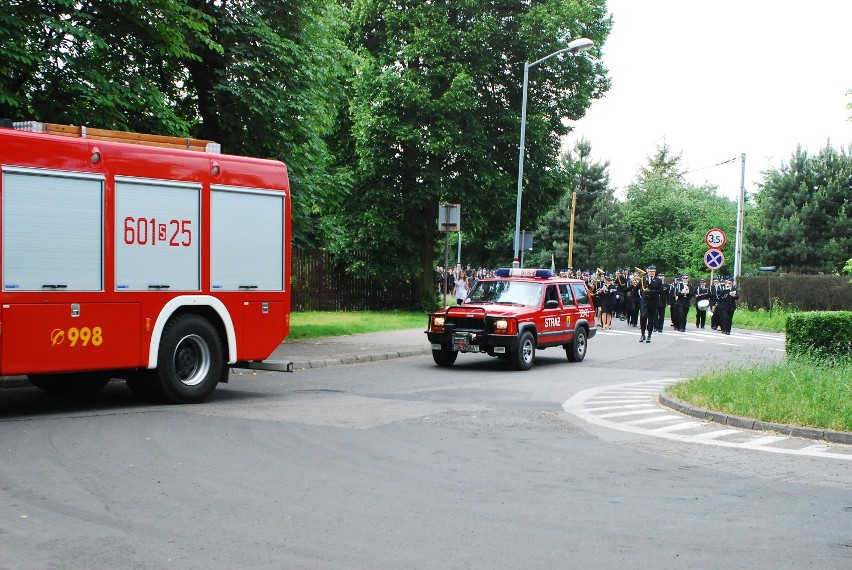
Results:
<point x="473" y="341"/>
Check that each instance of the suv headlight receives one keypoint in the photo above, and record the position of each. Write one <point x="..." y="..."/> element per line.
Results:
<point x="438" y="322"/>
<point x="501" y="325"/>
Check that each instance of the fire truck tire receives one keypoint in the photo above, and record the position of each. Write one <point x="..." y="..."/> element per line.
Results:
<point x="70" y="384"/>
<point x="576" y="351"/>
<point x="444" y="357"/>
<point x="191" y="361"/>
<point x="524" y="356"/>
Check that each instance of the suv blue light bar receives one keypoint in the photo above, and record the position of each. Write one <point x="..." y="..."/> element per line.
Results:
<point x="518" y="272"/>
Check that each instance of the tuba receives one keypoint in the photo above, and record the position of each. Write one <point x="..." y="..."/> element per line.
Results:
<point x="637" y="276"/>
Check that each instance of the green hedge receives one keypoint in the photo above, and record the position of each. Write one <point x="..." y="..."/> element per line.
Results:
<point x="800" y="292"/>
<point x="820" y="335"/>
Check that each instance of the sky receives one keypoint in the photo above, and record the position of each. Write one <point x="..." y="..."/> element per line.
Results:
<point x="717" y="79"/>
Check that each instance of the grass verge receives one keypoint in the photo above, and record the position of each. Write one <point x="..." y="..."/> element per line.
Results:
<point x="315" y="324"/>
<point x="761" y="319"/>
<point x="795" y="392"/>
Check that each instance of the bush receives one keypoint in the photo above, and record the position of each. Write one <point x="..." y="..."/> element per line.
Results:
<point x="801" y="292"/>
<point x="820" y="336"/>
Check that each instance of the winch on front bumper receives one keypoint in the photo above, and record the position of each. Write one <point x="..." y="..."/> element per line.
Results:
<point x="471" y="329"/>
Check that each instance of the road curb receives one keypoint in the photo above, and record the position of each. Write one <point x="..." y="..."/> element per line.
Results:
<point x="356" y="359"/>
<point x="753" y="424"/>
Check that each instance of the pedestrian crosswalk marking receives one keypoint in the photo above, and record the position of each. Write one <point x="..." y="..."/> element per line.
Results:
<point x="583" y="406"/>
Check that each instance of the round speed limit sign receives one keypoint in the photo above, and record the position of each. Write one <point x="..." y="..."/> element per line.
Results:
<point x="715" y="239"/>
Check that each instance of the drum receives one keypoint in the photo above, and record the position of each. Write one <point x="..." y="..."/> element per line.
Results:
<point x="703" y="304"/>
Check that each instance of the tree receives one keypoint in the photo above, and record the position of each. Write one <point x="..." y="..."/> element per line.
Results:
<point x="107" y="63"/>
<point x="261" y="77"/>
<point x="596" y="240"/>
<point x="805" y="212"/>
<point x="435" y="116"/>
<point x="664" y="220"/>
<point x="664" y="164"/>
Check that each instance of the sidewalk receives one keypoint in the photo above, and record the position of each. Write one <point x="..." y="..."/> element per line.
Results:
<point x="351" y="349"/>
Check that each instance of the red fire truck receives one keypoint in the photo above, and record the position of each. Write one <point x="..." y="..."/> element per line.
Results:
<point x="152" y="259"/>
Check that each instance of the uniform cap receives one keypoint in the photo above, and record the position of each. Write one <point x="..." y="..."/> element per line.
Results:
<point x="651" y="267"/>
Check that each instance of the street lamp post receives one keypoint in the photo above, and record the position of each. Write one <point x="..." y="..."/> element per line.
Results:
<point x="576" y="46"/>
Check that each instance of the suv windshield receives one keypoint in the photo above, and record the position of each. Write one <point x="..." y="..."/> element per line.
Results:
<point x="518" y="292"/>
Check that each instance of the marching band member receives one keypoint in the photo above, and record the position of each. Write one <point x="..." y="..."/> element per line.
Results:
<point x="726" y="305"/>
<point x="683" y="298"/>
<point x="650" y="296"/>
<point x="661" y="303"/>
<point x="714" y="301"/>
<point x="701" y="293"/>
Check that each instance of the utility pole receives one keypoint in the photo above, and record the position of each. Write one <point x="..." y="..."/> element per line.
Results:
<point x="571" y="231"/>
<point x="738" y="246"/>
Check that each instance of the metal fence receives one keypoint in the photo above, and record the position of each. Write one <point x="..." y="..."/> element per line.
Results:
<point x="320" y="284"/>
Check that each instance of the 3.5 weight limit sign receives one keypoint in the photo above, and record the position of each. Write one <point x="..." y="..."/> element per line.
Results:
<point x="715" y="239"/>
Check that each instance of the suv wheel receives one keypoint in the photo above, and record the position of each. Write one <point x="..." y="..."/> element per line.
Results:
<point x="576" y="351"/>
<point x="524" y="356"/>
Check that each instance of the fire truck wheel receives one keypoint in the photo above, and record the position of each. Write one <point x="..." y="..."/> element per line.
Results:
<point x="70" y="384"/>
<point x="524" y="356"/>
<point x="444" y="357"/>
<point x="576" y="351"/>
<point x="191" y="360"/>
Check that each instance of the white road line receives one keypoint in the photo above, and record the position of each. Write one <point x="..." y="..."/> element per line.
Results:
<point x="652" y="420"/>
<point x="729" y="344"/>
<point x="616" y="400"/>
<point x="693" y="339"/>
<point x="631" y="413"/>
<point x="677" y="427"/>
<point x="717" y="433"/>
<point x="767" y="440"/>
<point x="621" y="407"/>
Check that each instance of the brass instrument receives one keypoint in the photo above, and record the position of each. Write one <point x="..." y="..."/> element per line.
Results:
<point x="597" y="276"/>
<point x="636" y="276"/>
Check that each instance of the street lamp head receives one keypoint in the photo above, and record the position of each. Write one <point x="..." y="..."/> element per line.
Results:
<point x="580" y="45"/>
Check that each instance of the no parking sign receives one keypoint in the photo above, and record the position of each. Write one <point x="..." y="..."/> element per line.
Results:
<point x="714" y="259"/>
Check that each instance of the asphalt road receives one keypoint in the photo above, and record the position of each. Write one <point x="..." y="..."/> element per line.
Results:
<point x="399" y="464"/>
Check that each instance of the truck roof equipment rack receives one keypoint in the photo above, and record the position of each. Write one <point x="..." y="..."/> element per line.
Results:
<point x="197" y="145"/>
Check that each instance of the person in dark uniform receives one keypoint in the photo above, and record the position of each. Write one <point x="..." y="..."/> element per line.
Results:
<point x="701" y="293"/>
<point x="683" y="299"/>
<point x="650" y="295"/>
<point x="715" y="288"/>
<point x="621" y="284"/>
<point x="663" y="300"/>
<point x="608" y="301"/>
<point x="632" y="295"/>
<point x="727" y="305"/>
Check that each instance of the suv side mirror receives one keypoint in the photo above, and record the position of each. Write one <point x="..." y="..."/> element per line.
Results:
<point x="551" y="304"/>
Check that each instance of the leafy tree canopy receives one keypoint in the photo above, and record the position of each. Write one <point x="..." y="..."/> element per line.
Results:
<point x="806" y="212"/>
<point x="261" y="77"/>
<point x="435" y="115"/>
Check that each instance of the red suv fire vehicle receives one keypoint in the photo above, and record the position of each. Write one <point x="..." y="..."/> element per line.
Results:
<point x="513" y="314"/>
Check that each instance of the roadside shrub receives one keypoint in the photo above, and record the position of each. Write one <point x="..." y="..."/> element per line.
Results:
<point x="820" y="335"/>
